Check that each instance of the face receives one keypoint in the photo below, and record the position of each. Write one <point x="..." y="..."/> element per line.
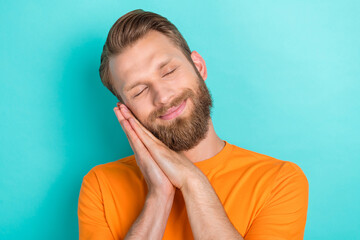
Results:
<point x="165" y="92"/>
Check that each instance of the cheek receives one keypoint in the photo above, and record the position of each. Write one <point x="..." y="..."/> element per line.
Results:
<point x="189" y="79"/>
<point x="140" y="111"/>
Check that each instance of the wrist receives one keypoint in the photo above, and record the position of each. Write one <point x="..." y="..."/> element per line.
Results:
<point x="197" y="180"/>
<point x="160" y="196"/>
<point x="161" y="202"/>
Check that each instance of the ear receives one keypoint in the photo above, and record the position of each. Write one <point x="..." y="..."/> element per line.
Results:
<point x="199" y="63"/>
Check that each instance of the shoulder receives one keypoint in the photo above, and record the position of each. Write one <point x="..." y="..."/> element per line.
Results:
<point x="265" y="162"/>
<point x="281" y="188"/>
<point x="272" y="172"/>
<point x="116" y="170"/>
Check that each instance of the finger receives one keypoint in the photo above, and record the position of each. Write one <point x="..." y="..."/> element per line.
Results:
<point x="122" y="120"/>
<point x="161" y="154"/>
<point x="125" y="125"/>
<point x="135" y="142"/>
<point x="120" y="117"/>
<point x="149" y="143"/>
<point x="125" y="111"/>
<point x="142" y="155"/>
<point x="127" y="114"/>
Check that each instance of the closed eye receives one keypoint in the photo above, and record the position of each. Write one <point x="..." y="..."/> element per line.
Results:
<point x="140" y="92"/>
<point x="169" y="72"/>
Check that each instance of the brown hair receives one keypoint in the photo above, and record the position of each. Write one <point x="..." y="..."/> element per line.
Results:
<point x="128" y="29"/>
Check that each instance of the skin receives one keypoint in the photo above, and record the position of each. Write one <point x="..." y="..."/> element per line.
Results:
<point x="165" y="170"/>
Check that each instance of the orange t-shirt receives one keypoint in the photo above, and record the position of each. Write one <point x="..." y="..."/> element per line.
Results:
<point x="264" y="198"/>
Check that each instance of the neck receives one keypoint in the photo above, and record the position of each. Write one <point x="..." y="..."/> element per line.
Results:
<point x="207" y="148"/>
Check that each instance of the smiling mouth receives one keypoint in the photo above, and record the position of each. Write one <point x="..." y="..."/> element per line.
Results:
<point x="174" y="111"/>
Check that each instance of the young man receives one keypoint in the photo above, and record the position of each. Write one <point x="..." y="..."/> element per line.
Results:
<point x="183" y="181"/>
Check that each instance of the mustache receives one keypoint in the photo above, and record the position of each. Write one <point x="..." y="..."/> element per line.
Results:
<point x="187" y="93"/>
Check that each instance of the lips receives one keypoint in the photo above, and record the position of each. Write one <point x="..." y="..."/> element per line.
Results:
<point x="174" y="111"/>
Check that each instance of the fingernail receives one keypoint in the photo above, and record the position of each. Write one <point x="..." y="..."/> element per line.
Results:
<point x="124" y="108"/>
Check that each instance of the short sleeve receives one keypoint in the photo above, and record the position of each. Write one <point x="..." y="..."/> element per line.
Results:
<point x="91" y="214"/>
<point x="284" y="213"/>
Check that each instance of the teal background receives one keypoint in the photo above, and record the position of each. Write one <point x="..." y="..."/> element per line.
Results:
<point x="284" y="76"/>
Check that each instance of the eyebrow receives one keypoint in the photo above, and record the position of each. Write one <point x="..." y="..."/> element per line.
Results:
<point x="159" y="67"/>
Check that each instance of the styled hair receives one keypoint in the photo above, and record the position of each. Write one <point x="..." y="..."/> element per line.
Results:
<point x="127" y="30"/>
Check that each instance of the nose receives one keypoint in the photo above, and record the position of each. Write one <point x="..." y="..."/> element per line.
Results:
<point x="163" y="95"/>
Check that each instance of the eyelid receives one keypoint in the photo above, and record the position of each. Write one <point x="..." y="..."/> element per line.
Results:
<point x="140" y="92"/>
<point x="170" y="72"/>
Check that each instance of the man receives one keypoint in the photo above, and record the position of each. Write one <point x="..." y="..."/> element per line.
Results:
<point x="183" y="181"/>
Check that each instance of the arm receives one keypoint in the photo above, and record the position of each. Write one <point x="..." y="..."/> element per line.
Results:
<point x="93" y="225"/>
<point x="152" y="220"/>
<point x="92" y="221"/>
<point x="284" y="213"/>
<point x="207" y="216"/>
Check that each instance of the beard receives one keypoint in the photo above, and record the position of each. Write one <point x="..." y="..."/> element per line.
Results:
<point x="184" y="133"/>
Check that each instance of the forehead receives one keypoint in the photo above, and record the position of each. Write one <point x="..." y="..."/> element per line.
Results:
<point x="141" y="59"/>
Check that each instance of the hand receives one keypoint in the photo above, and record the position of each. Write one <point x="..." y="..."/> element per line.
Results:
<point x="156" y="180"/>
<point x="177" y="167"/>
